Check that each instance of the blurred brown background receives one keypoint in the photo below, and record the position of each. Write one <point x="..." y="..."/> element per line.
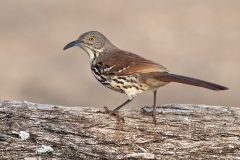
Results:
<point x="198" y="38"/>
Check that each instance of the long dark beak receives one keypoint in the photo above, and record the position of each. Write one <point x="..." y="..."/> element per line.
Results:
<point x="71" y="44"/>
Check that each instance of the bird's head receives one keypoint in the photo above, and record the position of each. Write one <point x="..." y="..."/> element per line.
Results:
<point x="89" y="41"/>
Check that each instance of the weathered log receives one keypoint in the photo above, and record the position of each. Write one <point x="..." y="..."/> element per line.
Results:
<point x="183" y="131"/>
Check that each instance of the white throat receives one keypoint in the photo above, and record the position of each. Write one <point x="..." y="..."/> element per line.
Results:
<point x="93" y="54"/>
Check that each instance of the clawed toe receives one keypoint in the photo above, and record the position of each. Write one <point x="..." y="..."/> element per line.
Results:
<point x="147" y="113"/>
<point x="114" y="113"/>
<point x="150" y="113"/>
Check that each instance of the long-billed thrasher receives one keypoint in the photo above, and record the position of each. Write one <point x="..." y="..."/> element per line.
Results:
<point x="128" y="73"/>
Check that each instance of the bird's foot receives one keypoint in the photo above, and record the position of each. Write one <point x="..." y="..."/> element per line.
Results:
<point x="150" y="113"/>
<point x="114" y="113"/>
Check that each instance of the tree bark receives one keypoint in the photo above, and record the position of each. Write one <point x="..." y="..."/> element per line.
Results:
<point x="183" y="131"/>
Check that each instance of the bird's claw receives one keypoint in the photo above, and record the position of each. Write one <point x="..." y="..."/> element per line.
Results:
<point x="114" y="113"/>
<point x="149" y="113"/>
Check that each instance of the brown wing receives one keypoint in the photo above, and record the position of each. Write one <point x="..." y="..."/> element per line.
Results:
<point x="125" y="63"/>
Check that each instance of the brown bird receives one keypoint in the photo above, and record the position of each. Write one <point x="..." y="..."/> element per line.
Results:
<point x="128" y="73"/>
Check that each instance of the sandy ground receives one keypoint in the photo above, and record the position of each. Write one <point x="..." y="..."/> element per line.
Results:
<point x="193" y="38"/>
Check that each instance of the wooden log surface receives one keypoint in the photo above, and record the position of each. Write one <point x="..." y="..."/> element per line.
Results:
<point x="183" y="131"/>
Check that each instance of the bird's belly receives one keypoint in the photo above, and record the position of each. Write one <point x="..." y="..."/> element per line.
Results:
<point x="123" y="84"/>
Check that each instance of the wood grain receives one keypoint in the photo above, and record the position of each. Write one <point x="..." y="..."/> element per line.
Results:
<point x="183" y="131"/>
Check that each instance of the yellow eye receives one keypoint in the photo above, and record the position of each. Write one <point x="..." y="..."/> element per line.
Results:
<point x="91" y="38"/>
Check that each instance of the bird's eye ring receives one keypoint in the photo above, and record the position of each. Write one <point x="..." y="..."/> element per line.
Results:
<point x="91" y="38"/>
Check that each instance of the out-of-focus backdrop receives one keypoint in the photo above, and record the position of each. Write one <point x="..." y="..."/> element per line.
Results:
<point x="198" y="38"/>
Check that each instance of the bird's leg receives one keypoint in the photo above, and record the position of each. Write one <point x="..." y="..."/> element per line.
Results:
<point x="153" y="112"/>
<point x="154" y="107"/>
<point x="114" y="112"/>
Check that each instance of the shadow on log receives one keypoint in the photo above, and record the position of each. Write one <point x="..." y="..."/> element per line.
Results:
<point x="183" y="131"/>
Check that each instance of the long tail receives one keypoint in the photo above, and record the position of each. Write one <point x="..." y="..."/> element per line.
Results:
<point x="191" y="81"/>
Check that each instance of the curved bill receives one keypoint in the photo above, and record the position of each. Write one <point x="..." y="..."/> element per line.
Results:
<point x="71" y="44"/>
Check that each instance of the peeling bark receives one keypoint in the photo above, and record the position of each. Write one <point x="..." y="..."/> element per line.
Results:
<point x="183" y="131"/>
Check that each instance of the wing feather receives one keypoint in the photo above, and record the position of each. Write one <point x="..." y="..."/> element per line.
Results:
<point x="126" y="63"/>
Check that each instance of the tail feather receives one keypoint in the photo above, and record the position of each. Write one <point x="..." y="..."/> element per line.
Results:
<point x="191" y="81"/>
